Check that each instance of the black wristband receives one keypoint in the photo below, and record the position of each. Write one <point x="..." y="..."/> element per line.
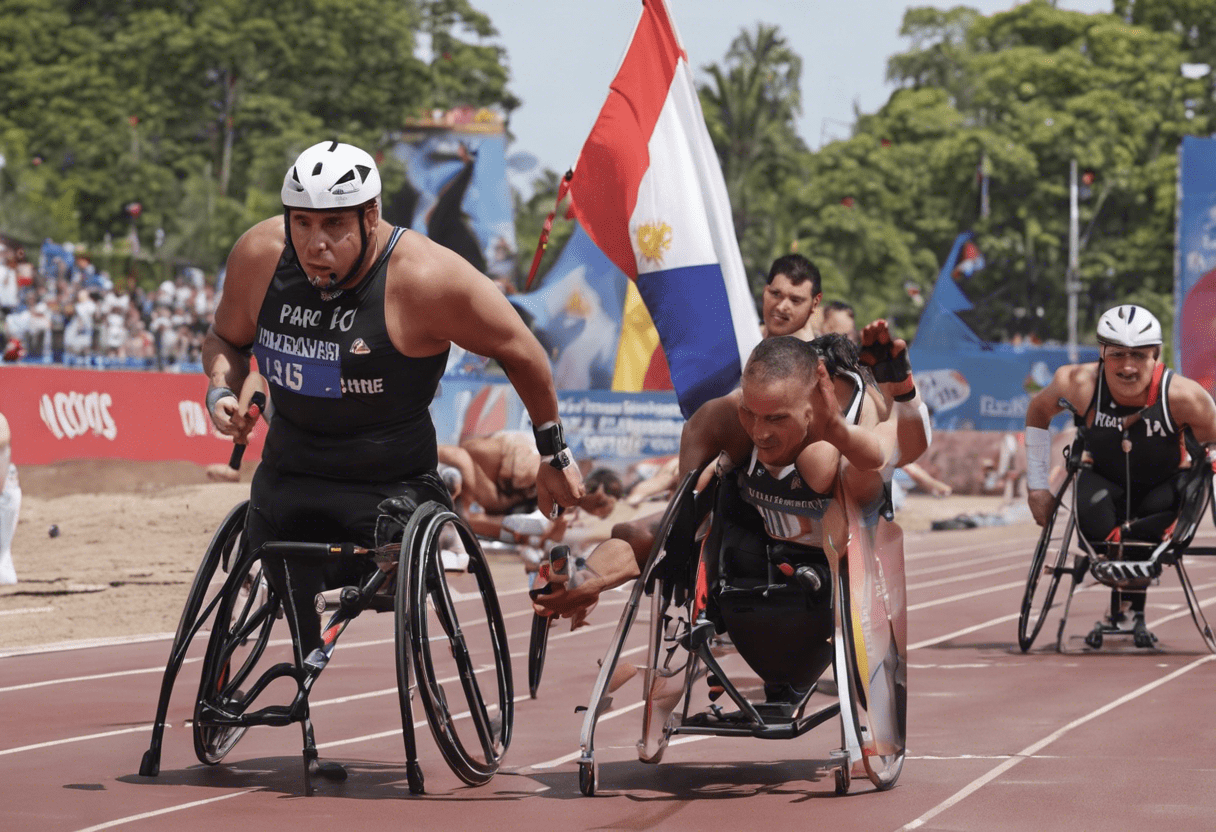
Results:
<point x="907" y="397"/>
<point x="550" y="439"/>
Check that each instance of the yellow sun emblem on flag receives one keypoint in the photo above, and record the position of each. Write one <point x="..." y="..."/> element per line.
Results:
<point x="653" y="239"/>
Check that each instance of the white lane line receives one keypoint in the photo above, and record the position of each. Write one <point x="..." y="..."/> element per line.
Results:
<point x="1030" y="750"/>
<point x="970" y="576"/>
<point x="84" y="644"/>
<point x="51" y="743"/>
<point x="92" y="678"/>
<point x="974" y="548"/>
<point x="132" y="818"/>
<point x="25" y="610"/>
<point x="575" y="755"/>
<point x="955" y="566"/>
<point x="938" y="639"/>
<point x="419" y="724"/>
<point x="964" y="596"/>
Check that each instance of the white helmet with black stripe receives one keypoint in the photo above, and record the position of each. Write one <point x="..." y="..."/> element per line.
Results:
<point x="331" y="175"/>
<point x="1129" y="326"/>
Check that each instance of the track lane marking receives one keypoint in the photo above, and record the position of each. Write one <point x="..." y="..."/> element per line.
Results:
<point x="158" y="812"/>
<point x="949" y="599"/>
<point x="1029" y="751"/>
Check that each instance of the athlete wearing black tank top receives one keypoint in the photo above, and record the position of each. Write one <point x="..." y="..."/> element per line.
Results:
<point x="1136" y="411"/>
<point x="351" y="320"/>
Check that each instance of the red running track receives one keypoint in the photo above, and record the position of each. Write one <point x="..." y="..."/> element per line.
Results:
<point x="998" y="740"/>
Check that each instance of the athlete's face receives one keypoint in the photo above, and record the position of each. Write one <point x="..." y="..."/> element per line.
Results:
<point x="327" y="242"/>
<point x="776" y="414"/>
<point x="786" y="306"/>
<point x="1129" y="371"/>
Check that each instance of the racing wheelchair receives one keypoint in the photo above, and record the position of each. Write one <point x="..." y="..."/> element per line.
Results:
<point x="790" y="612"/>
<point x="1124" y="564"/>
<point x="435" y="645"/>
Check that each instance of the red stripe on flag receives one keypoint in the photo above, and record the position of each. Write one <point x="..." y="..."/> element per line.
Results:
<point x="615" y="156"/>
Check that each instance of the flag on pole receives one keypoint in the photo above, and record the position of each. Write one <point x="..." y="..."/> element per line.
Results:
<point x="648" y="190"/>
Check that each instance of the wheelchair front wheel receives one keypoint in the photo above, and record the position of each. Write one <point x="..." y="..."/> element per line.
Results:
<point x="1050" y="555"/>
<point x="468" y="646"/>
<point x="239" y="636"/>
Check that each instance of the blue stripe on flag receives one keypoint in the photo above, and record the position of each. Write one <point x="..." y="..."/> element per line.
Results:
<point x="692" y="315"/>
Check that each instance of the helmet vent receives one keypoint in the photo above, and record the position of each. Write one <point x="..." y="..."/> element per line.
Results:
<point x="316" y="171"/>
<point x="364" y="170"/>
<point x="333" y="146"/>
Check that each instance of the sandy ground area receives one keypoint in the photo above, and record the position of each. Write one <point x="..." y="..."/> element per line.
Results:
<point x="130" y="535"/>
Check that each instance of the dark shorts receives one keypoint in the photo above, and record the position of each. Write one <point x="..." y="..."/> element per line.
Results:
<point x="311" y="509"/>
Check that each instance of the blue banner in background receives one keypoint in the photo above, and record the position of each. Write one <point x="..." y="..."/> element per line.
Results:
<point x="986" y="389"/>
<point x="603" y="426"/>
<point x="576" y="314"/>
<point x="457" y="193"/>
<point x="1195" y="262"/>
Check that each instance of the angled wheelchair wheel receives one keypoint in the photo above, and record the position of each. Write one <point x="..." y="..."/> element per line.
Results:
<point x="1050" y="556"/>
<point x="246" y="614"/>
<point x="450" y="631"/>
<point x="884" y="711"/>
<point x="200" y="602"/>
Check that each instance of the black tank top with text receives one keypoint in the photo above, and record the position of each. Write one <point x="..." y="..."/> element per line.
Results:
<point x="347" y="404"/>
<point x="1156" y="442"/>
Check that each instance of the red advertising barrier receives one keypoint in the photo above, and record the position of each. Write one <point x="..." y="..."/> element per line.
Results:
<point x="57" y="413"/>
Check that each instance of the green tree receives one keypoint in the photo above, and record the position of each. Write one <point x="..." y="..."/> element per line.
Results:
<point x="750" y="104"/>
<point x="193" y="109"/>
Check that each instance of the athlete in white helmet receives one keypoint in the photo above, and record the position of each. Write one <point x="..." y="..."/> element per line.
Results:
<point x="1137" y="412"/>
<point x="351" y="320"/>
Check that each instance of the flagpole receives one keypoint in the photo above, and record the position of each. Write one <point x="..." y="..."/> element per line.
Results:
<point x="1071" y="282"/>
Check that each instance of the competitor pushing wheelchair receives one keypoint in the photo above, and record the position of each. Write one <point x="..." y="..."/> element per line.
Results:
<point x="1138" y="416"/>
<point x="796" y="488"/>
<point x="351" y="320"/>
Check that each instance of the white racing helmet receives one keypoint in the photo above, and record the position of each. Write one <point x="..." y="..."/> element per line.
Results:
<point x="1129" y="326"/>
<point x="331" y="175"/>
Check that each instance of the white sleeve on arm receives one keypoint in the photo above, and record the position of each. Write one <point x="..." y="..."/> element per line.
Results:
<point x="1038" y="453"/>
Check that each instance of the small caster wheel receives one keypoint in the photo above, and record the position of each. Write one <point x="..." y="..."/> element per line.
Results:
<point x="1094" y="639"/>
<point x="588" y="775"/>
<point x="413" y="775"/>
<point x="843" y="780"/>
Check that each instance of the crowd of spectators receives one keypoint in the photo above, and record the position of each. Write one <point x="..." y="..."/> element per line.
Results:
<point x="63" y="310"/>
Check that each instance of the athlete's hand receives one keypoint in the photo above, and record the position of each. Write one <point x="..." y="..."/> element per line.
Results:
<point x="228" y="419"/>
<point x="563" y="488"/>
<point x="886" y="357"/>
<point x="1042" y="504"/>
<point x="827" y="408"/>
<point x="570" y="603"/>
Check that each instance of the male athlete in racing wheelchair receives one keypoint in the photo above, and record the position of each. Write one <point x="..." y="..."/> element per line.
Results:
<point x="1136" y="483"/>
<point x="351" y="320"/>
<point x="789" y="570"/>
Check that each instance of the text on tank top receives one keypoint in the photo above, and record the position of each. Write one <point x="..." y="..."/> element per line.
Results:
<point x="347" y="404"/>
<point x="1156" y="444"/>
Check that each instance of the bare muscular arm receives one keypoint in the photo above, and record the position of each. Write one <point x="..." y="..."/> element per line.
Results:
<point x="250" y="268"/>
<point x="435" y="297"/>
<point x="1191" y="406"/>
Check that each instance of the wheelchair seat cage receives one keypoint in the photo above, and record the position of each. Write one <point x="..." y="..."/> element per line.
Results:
<point x="685" y="646"/>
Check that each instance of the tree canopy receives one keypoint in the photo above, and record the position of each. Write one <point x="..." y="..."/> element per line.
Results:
<point x="193" y="108"/>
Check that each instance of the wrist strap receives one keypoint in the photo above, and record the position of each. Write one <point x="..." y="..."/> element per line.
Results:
<point x="214" y="394"/>
<point x="550" y="438"/>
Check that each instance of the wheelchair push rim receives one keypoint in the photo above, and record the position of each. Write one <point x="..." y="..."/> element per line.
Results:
<point x="1050" y="556"/>
<point x="425" y="601"/>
